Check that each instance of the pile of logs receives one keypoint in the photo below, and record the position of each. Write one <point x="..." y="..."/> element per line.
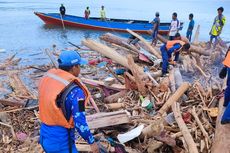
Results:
<point x="182" y="113"/>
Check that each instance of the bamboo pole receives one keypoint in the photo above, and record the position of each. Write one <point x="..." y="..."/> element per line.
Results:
<point x="186" y="134"/>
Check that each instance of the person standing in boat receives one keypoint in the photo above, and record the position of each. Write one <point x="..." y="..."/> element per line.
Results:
<point x="190" y="27"/>
<point x="87" y="13"/>
<point x="156" y="24"/>
<point x="174" y="27"/>
<point x="62" y="10"/>
<point x="102" y="13"/>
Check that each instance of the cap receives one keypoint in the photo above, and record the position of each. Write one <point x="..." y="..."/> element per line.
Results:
<point x="70" y="58"/>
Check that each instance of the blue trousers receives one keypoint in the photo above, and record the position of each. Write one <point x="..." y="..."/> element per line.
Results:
<point x="55" y="147"/>
<point x="189" y="35"/>
<point x="226" y="116"/>
<point x="164" y="55"/>
<point x="227" y="90"/>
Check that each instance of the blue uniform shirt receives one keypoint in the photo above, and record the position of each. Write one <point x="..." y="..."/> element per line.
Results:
<point x="191" y="25"/>
<point x="173" y="49"/>
<point x="58" y="134"/>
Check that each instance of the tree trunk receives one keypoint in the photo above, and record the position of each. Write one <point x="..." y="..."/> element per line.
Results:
<point x="193" y="48"/>
<point x="106" y="51"/>
<point x="108" y="37"/>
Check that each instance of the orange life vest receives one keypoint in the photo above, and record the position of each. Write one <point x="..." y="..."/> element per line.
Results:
<point x="171" y="43"/>
<point x="226" y="61"/>
<point x="51" y="85"/>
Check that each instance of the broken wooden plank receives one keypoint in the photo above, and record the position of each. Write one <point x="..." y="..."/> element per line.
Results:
<point x="96" y="83"/>
<point x="101" y="120"/>
<point x="7" y="102"/>
<point x="19" y="87"/>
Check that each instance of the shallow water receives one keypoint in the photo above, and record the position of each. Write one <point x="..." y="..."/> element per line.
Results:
<point x="23" y="32"/>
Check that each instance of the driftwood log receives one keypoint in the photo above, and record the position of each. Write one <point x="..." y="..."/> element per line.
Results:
<point x="106" y="51"/>
<point x="114" y="98"/>
<point x="111" y="38"/>
<point x="148" y="46"/>
<point x="193" y="48"/>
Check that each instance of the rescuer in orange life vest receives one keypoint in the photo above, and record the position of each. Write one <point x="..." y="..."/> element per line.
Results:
<point x="173" y="46"/>
<point x="226" y="72"/>
<point x="62" y="100"/>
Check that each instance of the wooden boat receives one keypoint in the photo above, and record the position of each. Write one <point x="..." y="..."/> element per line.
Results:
<point x="120" y="25"/>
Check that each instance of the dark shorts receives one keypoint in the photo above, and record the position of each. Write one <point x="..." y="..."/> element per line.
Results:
<point x="154" y="34"/>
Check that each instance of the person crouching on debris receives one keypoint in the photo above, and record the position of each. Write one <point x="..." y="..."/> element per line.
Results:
<point x="173" y="46"/>
<point x="62" y="100"/>
<point x="226" y="72"/>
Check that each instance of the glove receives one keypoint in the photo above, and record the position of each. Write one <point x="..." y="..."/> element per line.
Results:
<point x="223" y="73"/>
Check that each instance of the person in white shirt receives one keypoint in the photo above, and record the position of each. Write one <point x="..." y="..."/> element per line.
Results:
<point x="174" y="27"/>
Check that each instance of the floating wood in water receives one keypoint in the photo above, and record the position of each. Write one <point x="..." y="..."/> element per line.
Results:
<point x="101" y="120"/>
<point x="150" y="48"/>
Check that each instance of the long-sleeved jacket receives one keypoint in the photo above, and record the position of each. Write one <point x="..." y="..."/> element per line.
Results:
<point x="59" y="134"/>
